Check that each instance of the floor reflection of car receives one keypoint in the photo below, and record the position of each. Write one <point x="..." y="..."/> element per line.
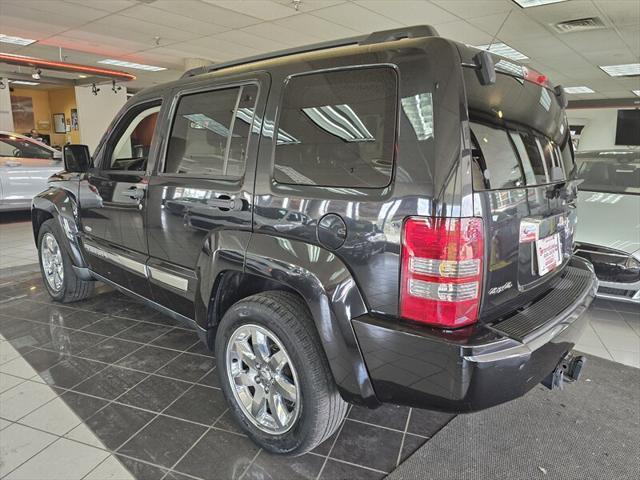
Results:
<point x="609" y="227"/>
<point x="25" y="166"/>
<point x="178" y="206"/>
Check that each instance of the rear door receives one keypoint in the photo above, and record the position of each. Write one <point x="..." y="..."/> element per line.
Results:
<point x="522" y="160"/>
<point x="201" y="195"/>
<point x="112" y="198"/>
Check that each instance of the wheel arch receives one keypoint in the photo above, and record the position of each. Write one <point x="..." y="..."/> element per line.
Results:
<point x="325" y="285"/>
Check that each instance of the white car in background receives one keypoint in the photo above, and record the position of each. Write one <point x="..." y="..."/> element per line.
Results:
<point x="25" y="166"/>
<point x="608" y="231"/>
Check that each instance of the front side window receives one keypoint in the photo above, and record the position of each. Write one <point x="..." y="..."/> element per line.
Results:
<point x="210" y="133"/>
<point x="11" y="146"/>
<point x="337" y="128"/>
<point x="132" y="146"/>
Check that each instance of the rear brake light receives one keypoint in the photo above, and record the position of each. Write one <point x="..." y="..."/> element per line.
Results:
<point x="441" y="270"/>
<point x="535" y="77"/>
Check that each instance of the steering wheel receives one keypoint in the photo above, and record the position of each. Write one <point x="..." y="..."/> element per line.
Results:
<point x="17" y="152"/>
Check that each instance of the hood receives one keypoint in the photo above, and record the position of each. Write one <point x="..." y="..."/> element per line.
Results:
<point x="609" y="220"/>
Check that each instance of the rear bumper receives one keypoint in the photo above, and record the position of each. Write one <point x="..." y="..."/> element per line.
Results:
<point x="470" y="369"/>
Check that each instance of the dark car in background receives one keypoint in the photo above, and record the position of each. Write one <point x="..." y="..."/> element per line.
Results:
<point x="388" y="219"/>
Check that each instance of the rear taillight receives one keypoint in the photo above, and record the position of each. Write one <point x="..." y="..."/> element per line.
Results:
<point x="441" y="270"/>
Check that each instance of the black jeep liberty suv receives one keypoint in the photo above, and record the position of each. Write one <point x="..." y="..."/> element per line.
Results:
<point x="384" y="219"/>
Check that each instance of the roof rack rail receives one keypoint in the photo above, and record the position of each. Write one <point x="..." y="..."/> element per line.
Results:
<point x="375" y="37"/>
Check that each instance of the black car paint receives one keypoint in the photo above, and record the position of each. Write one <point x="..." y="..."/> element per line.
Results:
<point x="218" y="249"/>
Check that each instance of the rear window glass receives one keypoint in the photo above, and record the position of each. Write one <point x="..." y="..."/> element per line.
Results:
<point x="511" y="159"/>
<point x="337" y="129"/>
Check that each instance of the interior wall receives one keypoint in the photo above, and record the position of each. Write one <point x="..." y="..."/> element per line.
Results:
<point x="45" y="104"/>
<point x="599" y="130"/>
<point x="6" y="117"/>
<point x="41" y="109"/>
<point x="95" y="112"/>
<point x="63" y="100"/>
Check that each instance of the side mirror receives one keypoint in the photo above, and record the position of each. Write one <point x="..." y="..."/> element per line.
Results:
<point x="76" y="158"/>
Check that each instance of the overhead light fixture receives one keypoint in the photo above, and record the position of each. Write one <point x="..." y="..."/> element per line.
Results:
<point x="536" y="3"/>
<point x="23" y="82"/>
<point x="624" y="70"/>
<point x="36" y="74"/>
<point x="138" y="66"/>
<point x="503" y="50"/>
<point x="16" y="40"/>
<point x="82" y="76"/>
<point x="636" y="92"/>
<point x="574" y="90"/>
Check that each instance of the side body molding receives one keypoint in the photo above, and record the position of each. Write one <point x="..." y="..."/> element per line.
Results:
<point x="332" y="295"/>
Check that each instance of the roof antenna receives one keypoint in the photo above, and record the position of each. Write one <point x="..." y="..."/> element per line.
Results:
<point x="499" y="29"/>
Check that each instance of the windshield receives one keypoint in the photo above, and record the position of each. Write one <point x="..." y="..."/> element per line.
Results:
<point x="610" y="172"/>
<point x="11" y="146"/>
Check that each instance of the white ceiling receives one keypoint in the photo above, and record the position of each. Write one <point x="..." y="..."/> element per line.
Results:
<point x="166" y="32"/>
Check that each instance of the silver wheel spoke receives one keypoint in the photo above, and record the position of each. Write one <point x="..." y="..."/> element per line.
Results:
<point x="285" y="388"/>
<point x="278" y="360"/>
<point x="246" y="353"/>
<point x="259" y="402"/>
<point x="244" y="379"/>
<point x="278" y="410"/>
<point x="260" y="346"/>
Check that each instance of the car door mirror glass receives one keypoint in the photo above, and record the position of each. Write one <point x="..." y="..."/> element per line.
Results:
<point x="76" y="158"/>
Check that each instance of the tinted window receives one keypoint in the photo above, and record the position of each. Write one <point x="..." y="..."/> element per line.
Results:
<point x="11" y="146"/>
<point x="499" y="161"/>
<point x="131" y="147"/>
<point x="210" y="132"/>
<point x="610" y="172"/>
<point x="338" y="129"/>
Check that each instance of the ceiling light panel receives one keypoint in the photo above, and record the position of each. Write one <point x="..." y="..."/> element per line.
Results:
<point x="536" y="3"/>
<point x="16" y="40"/>
<point x="574" y="90"/>
<point x="137" y="66"/>
<point x="503" y="50"/>
<point x="625" y="70"/>
<point x="23" y="82"/>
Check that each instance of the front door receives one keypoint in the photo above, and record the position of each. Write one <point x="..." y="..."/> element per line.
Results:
<point x="200" y="198"/>
<point x="112" y="198"/>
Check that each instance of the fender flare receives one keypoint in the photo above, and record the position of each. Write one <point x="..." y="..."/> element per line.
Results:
<point x="61" y="205"/>
<point x="327" y="286"/>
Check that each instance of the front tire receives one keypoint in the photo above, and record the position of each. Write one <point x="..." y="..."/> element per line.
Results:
<point x="60" y="280"/>
<point x="275" y="375"/>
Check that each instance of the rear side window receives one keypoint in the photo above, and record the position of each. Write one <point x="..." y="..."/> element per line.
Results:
<point x="337" y="128"/>
<point x="210" y="133"/>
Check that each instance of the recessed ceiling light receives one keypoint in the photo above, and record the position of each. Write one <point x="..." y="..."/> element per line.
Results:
<point x="636" y="92"/>
<point x="625" y="70"/>
<point x="503" y="50"/>
<point x="82" y="76"/>
<point x="16" y="40"/>
<point x="23" y="82"/>
<point x="578" y="90"/>
<point x="536" y="3"/>
<point x="138" y="66"/>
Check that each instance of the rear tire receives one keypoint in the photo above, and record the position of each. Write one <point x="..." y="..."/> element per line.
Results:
<point x="285" y="319"/>
<point x="60" y="280"/>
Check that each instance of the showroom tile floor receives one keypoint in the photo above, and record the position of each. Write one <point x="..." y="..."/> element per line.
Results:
<point x="108" y="388"/>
